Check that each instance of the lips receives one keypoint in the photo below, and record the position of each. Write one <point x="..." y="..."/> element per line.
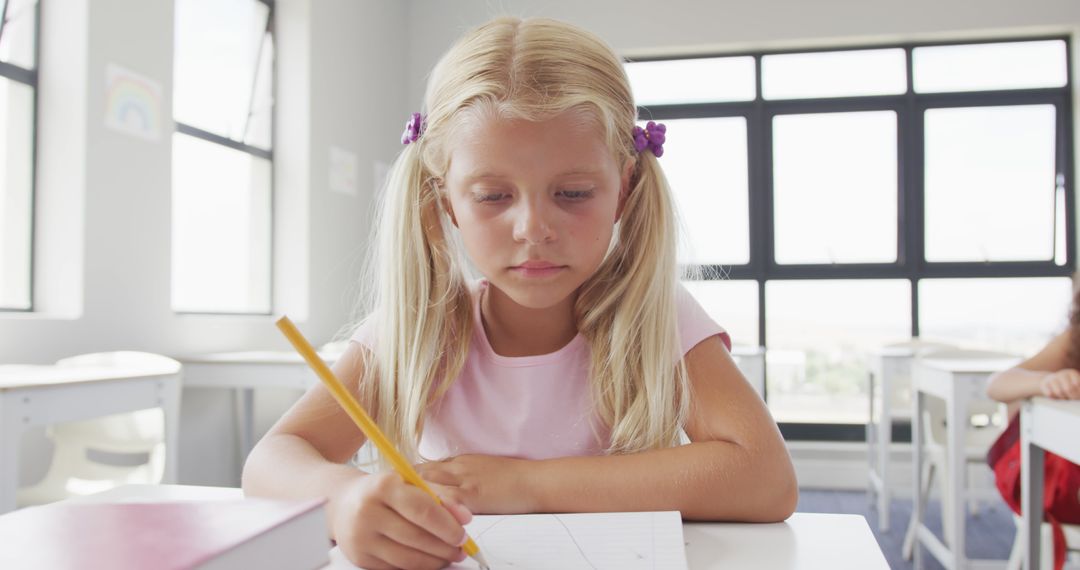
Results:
<point x="536" y="265"/>
<point x="537" y="268"/>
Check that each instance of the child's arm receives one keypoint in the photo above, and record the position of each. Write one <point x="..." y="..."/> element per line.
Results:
<point x="1044" y="374"/>
<point x="377" y="520"/>
<point x="737" y="467"/>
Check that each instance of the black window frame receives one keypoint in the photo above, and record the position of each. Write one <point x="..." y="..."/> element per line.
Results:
<point x="227" y="142"/>
<point x="911" y="264"/>
<point x="28" y="77"/>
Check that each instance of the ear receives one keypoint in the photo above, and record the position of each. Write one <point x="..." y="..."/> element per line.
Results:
<point x="624" y="185"/>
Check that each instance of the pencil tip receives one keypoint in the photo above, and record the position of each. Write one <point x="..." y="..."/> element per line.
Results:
<point x="479" y="557"/>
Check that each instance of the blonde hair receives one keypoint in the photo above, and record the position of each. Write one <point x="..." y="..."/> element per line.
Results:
<point x="529" y="69"/>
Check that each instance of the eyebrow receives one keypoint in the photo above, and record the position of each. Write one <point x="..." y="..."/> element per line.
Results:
<point x="500" y="176"/>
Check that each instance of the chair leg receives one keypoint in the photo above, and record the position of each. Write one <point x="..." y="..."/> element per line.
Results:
<point x="947" y="508"/>
<point x="923" y="498"/>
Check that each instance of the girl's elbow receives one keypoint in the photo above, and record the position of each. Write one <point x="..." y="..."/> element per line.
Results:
<point x="785" y="496"/>
<point x="786" y="501"/>
<point x="778" y="500"/>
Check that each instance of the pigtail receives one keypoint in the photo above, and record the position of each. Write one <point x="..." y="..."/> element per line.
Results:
<point x="421" y="302"/>
<point x="627" y="311"/>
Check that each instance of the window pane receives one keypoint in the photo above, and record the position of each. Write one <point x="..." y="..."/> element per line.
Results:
<point x="821" y="336"/>
<point x="692" y="80"/>
<point x="20" y="27"/>
<point x="1013" y="315"/>
<point x="732" y="304"/>
<point x="990" y="183"/>
<point x="834" y="74"/>
<point x="16" y="192"/>
<point x="262" y="105"/>
<point x="221" y="228"/>
<point x="705" y="163"/>
<point x="216" y="57"/>
<point x="981" y="67"/>
<point x="834" y="184"/>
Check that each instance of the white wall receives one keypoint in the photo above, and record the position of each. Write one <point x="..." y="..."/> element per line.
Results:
<point x="104" y="197"/>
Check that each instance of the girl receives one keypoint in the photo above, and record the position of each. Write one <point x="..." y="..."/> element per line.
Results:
<point x="1051" y="373"/>
<point x="561" y="380"/>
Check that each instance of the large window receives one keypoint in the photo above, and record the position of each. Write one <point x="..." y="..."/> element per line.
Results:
<point x="18" y="88"/>
<point x="222" y="170"/>
<point x="841" y="200"/>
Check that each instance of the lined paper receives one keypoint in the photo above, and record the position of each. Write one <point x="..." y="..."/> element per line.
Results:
<point x="646" y="541"/>
<point x="587" y="541"/>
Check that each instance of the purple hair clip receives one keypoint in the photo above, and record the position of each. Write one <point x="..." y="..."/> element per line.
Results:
<point x="414" y="127"/>
<point x="651" y="137"/>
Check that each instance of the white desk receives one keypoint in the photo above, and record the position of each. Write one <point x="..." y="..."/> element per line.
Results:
<point x="805" y="541"/>
<point x="242" y="372"/>
<point x="890" y="398"/>
<point x="44" y="395"/>
<point x="958" y="382"/>
<point x="1050" y="425"/>
<point x="892" y="365"/>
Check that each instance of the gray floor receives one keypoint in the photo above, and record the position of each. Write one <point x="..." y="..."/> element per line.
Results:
<point x="989" y="533"/>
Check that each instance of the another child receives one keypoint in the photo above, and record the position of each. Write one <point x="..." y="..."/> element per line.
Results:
<point x="1053" y="372"/>
<point x="561" y="380"/>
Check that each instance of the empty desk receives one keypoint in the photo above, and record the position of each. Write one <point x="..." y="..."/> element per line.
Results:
<point x="33" y="395"/>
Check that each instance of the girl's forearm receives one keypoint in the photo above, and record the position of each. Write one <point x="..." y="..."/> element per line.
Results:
<point x="1015" y="384"/>
<point x="286" y="466"/>
<point x="712" y="480"/>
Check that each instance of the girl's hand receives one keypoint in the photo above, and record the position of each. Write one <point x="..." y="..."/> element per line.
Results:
<point x="483" y="483"/>
<point x="1061" y="385"/>
<point x="380" y="522"/>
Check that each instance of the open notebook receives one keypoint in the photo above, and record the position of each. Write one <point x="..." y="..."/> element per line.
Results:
<point x="650" y="540"/>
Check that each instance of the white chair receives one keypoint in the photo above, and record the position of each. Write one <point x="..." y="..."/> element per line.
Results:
<point x="98" y="454"/>
<point x="1046" y="561"/>
<point x="890" y="397"/>
<point x="979" y="437"/>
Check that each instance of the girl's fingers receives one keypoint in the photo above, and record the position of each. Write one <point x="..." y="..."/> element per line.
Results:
<point x="398" y="555"/>
<point x="1055" y="390"/>
<point x="409" y="535"/>
<point x="460" y="511"/>
<point x="1072" y="390"/>
<point x="418" y="508"/>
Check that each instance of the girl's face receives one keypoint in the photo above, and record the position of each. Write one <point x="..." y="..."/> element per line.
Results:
<point x="535" y="202"/>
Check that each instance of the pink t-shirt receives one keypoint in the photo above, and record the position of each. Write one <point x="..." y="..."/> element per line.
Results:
<point x="533" y="407"/>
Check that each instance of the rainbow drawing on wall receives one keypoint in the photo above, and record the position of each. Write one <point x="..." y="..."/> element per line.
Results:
<point x="132" y="103"/>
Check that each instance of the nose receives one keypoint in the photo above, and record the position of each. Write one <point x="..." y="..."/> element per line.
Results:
<point x="532" y="224"/>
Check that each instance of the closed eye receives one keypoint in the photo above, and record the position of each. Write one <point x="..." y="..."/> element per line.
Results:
<point x="489" y="197"/>
<point x="575" y="195"/>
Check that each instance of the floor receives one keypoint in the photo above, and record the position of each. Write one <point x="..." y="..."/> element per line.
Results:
<point x="989" y="534"/>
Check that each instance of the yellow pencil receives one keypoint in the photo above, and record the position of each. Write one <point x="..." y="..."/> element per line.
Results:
<point x="372" y="431"/>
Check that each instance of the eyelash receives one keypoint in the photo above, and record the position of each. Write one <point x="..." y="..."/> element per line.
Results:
<point x="486" y="198"/>
<point x="571" y="195"/>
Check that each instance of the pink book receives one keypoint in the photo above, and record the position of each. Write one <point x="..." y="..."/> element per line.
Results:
<point x="208" y="535"/>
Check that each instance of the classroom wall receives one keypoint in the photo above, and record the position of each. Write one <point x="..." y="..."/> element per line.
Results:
<point x="104" y="197"/>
